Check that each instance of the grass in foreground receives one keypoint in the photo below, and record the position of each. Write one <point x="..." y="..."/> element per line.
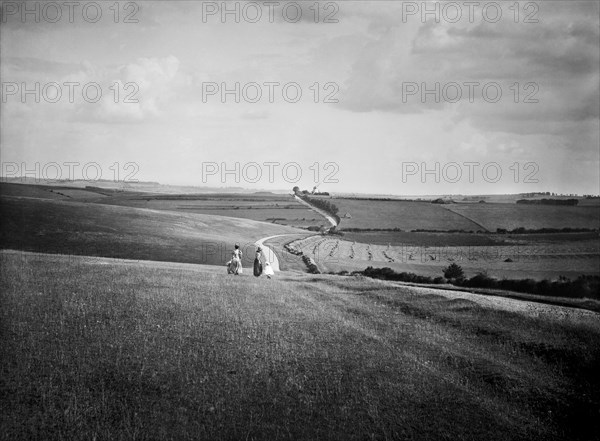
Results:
<point x="128" y="350"/>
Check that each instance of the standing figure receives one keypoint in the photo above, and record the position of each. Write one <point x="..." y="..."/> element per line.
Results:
<point x="235" y="267"/>
<point x="268" y="270"/>
<point x="258" y="262"/>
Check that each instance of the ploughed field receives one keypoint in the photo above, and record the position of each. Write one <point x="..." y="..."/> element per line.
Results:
<point x="382" y="233"/>
<point x="538" y="260"/>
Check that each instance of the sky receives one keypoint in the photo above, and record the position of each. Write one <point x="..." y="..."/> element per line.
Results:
<point x="402" y="98"/>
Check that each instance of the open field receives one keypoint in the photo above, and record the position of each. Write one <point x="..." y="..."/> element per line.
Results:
<point x="509" y="198"/>
<point x="283" y="210"/>
<point x="510" y="216"/>
<point x="423" y="238"/>
<point x="110" y="349"/>
<point x="536" y="256"/>
<point x="37" y="191"/>
<point x="409" y="215"/>
<point x="536" y="260"/>
<point x="433" y="239"/>
<point x="102" y="222"/>
<point x="81" y="228"/>
<point x="405" y="215"/>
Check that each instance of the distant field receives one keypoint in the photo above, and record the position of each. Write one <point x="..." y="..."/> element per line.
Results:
<point x="462" y="239"/>
<point x="406" y="215"/>
<point x="296" y="215"/>
<point x="77" y="194"/>
<point x="282" y="210"/>
<point x="189" y="228"/>
<point x="512" y="198"/>
<point x="424" y="239"/>
<point x="115" y="231"/>
<point x="589" y="202"/>
<point x="33" y="191"/>
<point x="272" y="208"/>
<point x="511" y="216"/>
<point x="536" y="260"/>
<point x="119" y="350"/>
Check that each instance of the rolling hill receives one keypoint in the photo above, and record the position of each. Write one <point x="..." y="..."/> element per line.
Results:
<point x="81" y="228"/>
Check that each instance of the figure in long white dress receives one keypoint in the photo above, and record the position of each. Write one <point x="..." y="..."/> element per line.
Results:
<point x="235" y="264"/>
<point x="268" y="270"/>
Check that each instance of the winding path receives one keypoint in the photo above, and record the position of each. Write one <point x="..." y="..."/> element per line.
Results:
<point x="318" y="210"/>
<point x="269" y="254"/>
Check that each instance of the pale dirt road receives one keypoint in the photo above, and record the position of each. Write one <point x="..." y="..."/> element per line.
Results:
<point x="269" y="254"/>
<point x="321" y="212"/>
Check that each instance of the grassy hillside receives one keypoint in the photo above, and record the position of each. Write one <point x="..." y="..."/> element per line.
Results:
<point x="104" y="349"/>
<point x="35" y="191"/>
<point x="281" y="209"/>
<point x="264" y="207"/>
<point x="92" y="229"/>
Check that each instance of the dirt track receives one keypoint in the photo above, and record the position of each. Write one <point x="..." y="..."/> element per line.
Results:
<point x="330" y="219"/>
<point x="532" y="309"/>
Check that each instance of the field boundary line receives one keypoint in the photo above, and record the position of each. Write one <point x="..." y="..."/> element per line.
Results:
<point x="467" y="218"/>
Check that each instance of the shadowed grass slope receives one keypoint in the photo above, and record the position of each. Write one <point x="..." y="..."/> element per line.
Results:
<point x="79" y="228"/>
<point x="108" y="349"/>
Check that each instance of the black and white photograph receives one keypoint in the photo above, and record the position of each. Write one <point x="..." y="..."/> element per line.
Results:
<point x="300" y="220"/>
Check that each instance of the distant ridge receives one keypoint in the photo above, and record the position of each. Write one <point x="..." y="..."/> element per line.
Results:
<point x="145" y="186"/>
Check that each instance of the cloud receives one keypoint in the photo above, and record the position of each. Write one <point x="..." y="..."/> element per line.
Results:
<point x="370" y="53"/>
<point x="560" y="55"/>
<point x="130" y="92"/>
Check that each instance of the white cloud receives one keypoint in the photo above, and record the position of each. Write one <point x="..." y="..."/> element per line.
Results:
<point x="370" y="53"/>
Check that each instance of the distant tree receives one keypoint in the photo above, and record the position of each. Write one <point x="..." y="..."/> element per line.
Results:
<point x="453" y="271"/>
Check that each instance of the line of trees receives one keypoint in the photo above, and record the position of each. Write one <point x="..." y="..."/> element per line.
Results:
<point x="521" y="230"/>
<point x="322" y="204"/>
